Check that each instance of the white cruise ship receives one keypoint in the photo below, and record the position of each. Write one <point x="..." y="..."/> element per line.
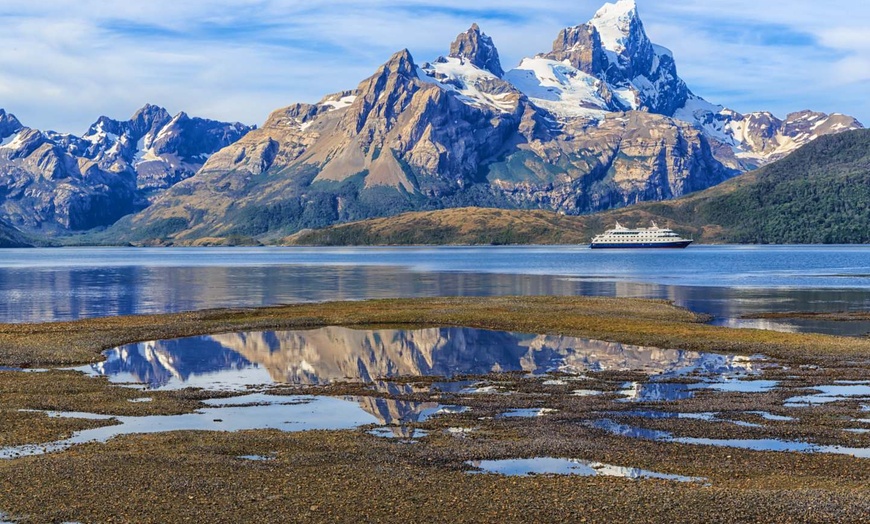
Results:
<point x="651" y="237"/>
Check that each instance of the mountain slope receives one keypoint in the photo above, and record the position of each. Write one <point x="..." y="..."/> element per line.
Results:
<point x="819" y="194"/>
<point x="55" y="183"/>
<point x="11" y="237"/>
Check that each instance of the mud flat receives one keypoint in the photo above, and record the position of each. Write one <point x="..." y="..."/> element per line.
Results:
<point x="679" y="421"/>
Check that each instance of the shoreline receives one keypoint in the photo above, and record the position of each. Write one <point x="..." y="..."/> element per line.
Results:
<point x="630" y="321"/>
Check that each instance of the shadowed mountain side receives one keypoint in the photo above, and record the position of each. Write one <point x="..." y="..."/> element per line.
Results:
<point x="819" y="194"/>
<point x="11" y="237"/>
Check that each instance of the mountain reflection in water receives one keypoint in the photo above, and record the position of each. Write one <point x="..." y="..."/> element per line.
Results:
<point x="330" y="354"/>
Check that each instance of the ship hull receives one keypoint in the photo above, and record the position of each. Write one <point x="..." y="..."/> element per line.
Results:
<point x="641" y="245"/>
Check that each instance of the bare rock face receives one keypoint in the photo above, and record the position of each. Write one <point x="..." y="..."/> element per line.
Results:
<point x="478" y="49"/>
<point x="9" y="125"/>
<point x="581" y="47"/>
<point x="634" y="158"/>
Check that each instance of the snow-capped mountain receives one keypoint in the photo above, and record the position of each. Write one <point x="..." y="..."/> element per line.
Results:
<point x="55" y="181"/>
<point x="610" y="65"/>
<point x="444" y="133"/>
<point x="162" y="149"/>
<point x="601" y="120"/>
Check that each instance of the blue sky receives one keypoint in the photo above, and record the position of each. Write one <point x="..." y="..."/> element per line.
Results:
<point x="65" y="64"/>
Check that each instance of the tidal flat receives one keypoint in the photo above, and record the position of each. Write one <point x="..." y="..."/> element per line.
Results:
<point x="446" y="425"/>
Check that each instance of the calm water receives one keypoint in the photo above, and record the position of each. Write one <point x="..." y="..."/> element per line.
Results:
<point x="60" y="284"/>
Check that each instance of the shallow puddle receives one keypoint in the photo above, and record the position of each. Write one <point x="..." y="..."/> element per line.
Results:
<point x="586" y="393"/>
<point x="705" y="416"/>
<point x="748" y="444"/>
<point x="527" y="413"/>
<point x="770" y="416"/>
<point x="402" y="433"/>
<point x="728" y="382"/>
<point x="254" y="411"/>
<point x="560" y="466"/>
<point x="832" y="393"/>
<point x="257" y="458"/>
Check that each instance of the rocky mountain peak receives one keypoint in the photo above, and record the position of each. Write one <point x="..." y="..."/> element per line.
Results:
<point x="477" y="48"/>
<point x="581" y="46"/>
<point x="149" y="119"/>
<point x="401" y="63"/>
<point x="9" y="125"/>
<point x="385" y="94"/>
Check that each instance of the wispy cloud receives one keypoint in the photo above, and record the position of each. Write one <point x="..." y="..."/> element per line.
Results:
<point x="64" y="64"/>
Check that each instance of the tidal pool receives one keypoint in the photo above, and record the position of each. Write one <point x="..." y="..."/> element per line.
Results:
<point x="832" y="393"/>
<point x="727" y="381"/>
<point x="561" y="466"/>
<point x="527" y="413"/>
<point x="705" y="416"/>
<point x="764" y="444"/>
<point x="401" y="433"/>
<point x="247" y="412"/>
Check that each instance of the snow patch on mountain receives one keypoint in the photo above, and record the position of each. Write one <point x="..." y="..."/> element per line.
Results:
<point x="473" y="85"/>
<point x="613" y="22"/>
<point x="560" y="88"/>
<point x="12" y="141"/>
<point x="341" y="103"/>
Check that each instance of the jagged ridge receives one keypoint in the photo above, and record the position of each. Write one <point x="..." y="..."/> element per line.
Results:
<point x="53" y="182"/>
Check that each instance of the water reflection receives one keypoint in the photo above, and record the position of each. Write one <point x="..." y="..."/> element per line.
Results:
<point x="330" y="354"/>
<point x="832" y="393"/>
<point x="257" y="411"/>
<point x="247" y="412"/>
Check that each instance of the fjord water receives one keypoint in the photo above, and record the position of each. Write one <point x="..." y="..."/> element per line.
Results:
<point x="39" y="285"/>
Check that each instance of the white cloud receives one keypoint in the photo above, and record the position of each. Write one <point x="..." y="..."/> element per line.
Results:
<point x="66" y="63"/>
